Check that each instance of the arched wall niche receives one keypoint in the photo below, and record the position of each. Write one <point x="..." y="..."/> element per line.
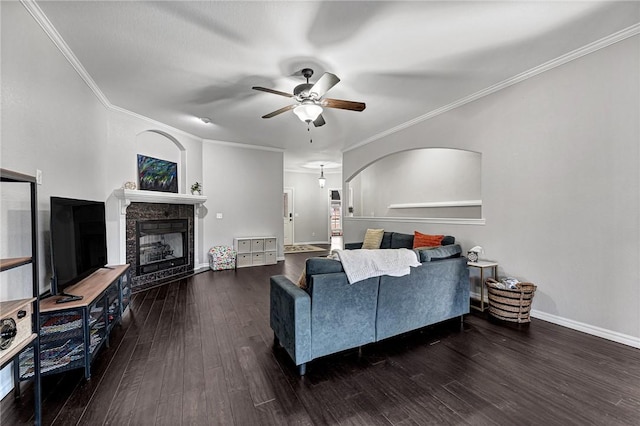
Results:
<point x="159" y="144"/>
<point x="419" y="183"/>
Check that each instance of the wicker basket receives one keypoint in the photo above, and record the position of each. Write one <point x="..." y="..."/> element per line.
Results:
<point x="510" y="304"/>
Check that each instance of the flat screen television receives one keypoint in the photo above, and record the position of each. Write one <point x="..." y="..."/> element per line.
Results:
<point x="78" y="242"/>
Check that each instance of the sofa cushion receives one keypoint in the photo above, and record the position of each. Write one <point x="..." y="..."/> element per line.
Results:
<point x="372" y="239"/>
<point x="399" y="240"/>
<point x="322" y="265"/>
<point x="448" y="240"/>
<point x="386" y="240"/>
<point x="426" y="240"/>
<point x="439" y="253"/>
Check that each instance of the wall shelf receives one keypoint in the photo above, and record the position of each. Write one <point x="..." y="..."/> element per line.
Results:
<point x="6" y="264"/>
<point x="434" y="220"/>
<point x="436" y="204"/>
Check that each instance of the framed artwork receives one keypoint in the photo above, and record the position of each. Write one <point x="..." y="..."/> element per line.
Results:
<point x="157" y="175"/>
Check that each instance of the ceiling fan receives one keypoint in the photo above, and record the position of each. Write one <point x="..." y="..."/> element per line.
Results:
<point x="310" y="101"/>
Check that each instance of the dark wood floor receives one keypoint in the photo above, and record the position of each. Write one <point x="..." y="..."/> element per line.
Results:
<point x="199" y="352"/>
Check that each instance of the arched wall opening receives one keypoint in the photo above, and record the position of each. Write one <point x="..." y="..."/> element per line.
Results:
<point x="419" y="183"/>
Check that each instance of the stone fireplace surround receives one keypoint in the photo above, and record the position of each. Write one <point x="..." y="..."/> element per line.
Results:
<point x="151" y="211"/>
<point x="137" y="205"/>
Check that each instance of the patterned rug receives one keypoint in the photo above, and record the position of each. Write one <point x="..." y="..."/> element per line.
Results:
<point x="302" y="248"/>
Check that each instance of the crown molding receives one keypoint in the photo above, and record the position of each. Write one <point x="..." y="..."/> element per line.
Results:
<point x="156" y="123"/>
<point x="53" y="34"/>
<point x="42" y="20"/>
<point x="39" y="16"/>
<point x="561" y="60"/>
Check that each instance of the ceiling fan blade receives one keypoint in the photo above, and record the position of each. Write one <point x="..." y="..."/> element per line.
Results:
<point x="319" y="121"/>
<point x="280" y="111"/>
<point x="340" y="104"/>
<point x="326" y="82"/>
<point x="275" y="92"/>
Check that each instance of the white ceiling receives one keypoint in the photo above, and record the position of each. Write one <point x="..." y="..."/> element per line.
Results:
<point x="174" y="61"/>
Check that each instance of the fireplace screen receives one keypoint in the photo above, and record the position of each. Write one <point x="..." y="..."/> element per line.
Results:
<point x="154" y="248"/>
<point x="162" y="244"/>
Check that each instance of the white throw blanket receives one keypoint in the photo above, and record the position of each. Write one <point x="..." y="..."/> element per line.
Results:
<point x="362" y="264"/>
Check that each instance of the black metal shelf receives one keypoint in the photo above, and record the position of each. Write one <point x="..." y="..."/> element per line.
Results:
<point x="31" y="343"/>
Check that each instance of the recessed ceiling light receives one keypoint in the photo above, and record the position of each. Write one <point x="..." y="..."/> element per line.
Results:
<point x="205" y="120"/>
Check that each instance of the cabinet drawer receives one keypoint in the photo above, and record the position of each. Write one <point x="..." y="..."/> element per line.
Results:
<point x="257" y="244"/>
<point x="270" y="258"/>
<point x="244" y="246"/>
<point x="269" y="244"/>
<point x="257" y="258"/>
<point x="243" y="259"/>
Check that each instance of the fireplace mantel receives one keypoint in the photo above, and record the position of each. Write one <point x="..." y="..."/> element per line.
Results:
<point x="122" y="198"/>
<point x="127" y="196"/>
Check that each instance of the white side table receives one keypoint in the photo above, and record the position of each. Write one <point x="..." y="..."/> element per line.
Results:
<point x="482" y="265"/>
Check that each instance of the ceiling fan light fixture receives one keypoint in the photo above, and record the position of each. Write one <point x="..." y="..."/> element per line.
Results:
<point x="307" y="111"/>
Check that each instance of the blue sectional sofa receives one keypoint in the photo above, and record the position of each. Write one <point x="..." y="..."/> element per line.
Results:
<point x="331" y="315"/>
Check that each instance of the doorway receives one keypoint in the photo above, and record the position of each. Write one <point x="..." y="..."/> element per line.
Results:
<point x="288" y="216"/>
<point x="335" y="212"/>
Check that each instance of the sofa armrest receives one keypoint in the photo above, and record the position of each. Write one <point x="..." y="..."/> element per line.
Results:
<point x="352" y="246"/>
<point x="290" y="318"/>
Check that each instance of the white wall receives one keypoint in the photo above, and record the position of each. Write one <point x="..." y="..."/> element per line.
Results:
<point x="245" y="186"/>
<point x="560" y="186"/>
<point x="311" y="205"/>
<point x="52" y="121"/>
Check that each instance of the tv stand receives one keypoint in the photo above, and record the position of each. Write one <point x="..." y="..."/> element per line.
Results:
<point x="72" y="332"/>
<point x="66" y="297"/>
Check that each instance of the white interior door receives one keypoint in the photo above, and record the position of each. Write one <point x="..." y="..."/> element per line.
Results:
<point x="288" y="216"/>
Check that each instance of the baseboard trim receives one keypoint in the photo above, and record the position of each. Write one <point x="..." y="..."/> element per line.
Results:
<point x="614" y="336"/>
<point x="625" y="339"/>
<point x="201" y="268"/>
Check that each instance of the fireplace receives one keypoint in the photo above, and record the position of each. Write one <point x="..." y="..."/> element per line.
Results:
<point x="162" y="244"/>
<point x="152" y="219"/>
<point x="159" y="243"/>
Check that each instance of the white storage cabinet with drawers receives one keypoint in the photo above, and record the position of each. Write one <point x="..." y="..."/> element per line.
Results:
<point x="253" y="251"/>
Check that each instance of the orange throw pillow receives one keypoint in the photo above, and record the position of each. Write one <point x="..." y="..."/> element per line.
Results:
<point x="426" y="240"/>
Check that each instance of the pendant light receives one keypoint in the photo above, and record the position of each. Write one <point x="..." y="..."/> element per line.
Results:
<point x="321" y="179"/>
